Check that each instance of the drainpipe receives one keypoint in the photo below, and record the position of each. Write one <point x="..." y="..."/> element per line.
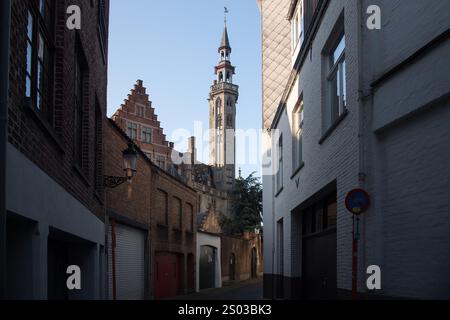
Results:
<point x="363" y="95"/>
<point x="5" y="12"/>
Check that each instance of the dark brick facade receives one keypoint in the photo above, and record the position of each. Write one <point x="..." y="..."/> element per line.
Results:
<point x="48" y="140"/>
<point x="154" y="199"/>
<point x="138" y="110"/>
<point x="241" y="248"/>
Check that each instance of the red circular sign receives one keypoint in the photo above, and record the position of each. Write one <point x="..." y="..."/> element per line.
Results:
<point x="357" y="201"/>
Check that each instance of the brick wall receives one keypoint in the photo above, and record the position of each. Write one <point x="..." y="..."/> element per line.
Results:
<point x="50" y="143"/>
<point x="138" y="109"/>
<point x="129" y="199"/>
<point x="335" y="159"/>
<point x="242" y="249"/>
<point x="151" y="194"/>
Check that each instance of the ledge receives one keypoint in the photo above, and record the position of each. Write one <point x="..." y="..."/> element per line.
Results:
<point x="99" y="197"/>
<point x="81" y="174"/>
<point x="44" y="125"/>
<point x="333" y="127"/>
<point x="298" y="170"/>
<point x="279" y="192"/>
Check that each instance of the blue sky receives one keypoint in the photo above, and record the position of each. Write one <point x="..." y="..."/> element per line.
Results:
<point x="172" y="46"/>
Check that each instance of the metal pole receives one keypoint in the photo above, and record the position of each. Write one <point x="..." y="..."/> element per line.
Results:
<point x="5" y="13"/>
<point x="355" y="259"/>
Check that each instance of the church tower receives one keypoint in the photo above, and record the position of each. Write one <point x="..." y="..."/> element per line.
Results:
<point x="223" y="98"/>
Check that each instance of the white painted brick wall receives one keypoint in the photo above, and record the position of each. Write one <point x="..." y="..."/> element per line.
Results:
<point x="336" y="159"/>
<point x="406" y="231"/>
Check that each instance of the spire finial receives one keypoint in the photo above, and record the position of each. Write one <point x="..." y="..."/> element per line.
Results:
<point x="225" y="13"/>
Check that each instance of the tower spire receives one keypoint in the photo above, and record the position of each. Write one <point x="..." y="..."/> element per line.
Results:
<point x="225" y="14"/>
<point x="223" y="98"/>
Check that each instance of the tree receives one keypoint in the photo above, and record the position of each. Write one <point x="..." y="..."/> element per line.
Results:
<point x="246" y="206"/>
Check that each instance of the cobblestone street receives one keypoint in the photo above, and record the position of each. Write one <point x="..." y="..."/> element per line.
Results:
<point x="247" y="290"/>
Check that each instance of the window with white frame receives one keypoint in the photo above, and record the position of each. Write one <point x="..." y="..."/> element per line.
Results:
<point x="147" y="135"/>
<point x="297" y="26"/>
<point x="279" y="175"/>
<point x="337" y="82"/>
<point x="161" y="161"/>
<point x="297" y="136"/>
<point x="132" y="130"/>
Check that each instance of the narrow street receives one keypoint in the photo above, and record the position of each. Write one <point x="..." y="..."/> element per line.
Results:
<point x="247" y="290"/>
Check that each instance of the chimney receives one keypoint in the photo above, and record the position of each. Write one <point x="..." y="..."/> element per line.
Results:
<point x="192" y="150"/>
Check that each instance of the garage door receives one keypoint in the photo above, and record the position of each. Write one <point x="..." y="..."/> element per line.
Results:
<point x="207" y="267"/>
<point x="168" y="275"/>
<point x="319" y="251"/>
<point x="414" y="174"/>
<point x="129" y="262"/>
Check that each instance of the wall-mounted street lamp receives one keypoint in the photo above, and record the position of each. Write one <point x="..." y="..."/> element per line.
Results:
<point x="129" y="166"/>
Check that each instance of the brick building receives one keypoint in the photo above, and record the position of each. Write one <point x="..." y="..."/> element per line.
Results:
<point x="242" y="257"/>
<point x="361" y="109"/>
<point x="136" y="116"/>
<point x="222" y="258"/>
<point x="151" y="233"/>
<point x="54" y="173"/>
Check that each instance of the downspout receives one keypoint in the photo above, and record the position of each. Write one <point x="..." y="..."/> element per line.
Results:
<point x="5" y="15"/>
<point x="362" y="167"/>
<point x="274" y="235"/>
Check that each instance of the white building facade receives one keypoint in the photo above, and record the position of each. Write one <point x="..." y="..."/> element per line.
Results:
<point x="364" y="109"/>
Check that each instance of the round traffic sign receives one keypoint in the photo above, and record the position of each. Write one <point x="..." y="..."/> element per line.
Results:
<point x="357" y="201"/>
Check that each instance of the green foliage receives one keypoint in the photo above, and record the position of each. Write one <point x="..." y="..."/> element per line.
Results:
<point x="247" y="206"/>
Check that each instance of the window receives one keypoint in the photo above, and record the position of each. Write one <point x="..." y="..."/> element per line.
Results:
<point x="297" y="25"/>
<point x="102" y="27"/>
<point x="178" y="214"/>
<point x="337" y="82"/>
<point x="161" y="161"/>
<point x="140" y="111"/>
<point x="219" y="113"/>
<point x="40" y="52"/>
<point x="279" y="175"/>
<point x="229" y="121"/>
<point x="320" y="217"/>
<point x="297" y="138"/>
<point x="189" y="218"/>
<point x="132" y="130"/>
<point x="147" y="135"/>
<point x="163" y="214"/>
<point x="80" y="77"/>
<point x="280" y="240"/>
<point x="98" y="163"/>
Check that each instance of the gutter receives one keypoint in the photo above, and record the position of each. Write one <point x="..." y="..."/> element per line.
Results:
<point x="5" y="15"/>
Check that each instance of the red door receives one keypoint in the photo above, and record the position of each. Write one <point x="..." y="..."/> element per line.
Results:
<point x="168" y="275"/>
